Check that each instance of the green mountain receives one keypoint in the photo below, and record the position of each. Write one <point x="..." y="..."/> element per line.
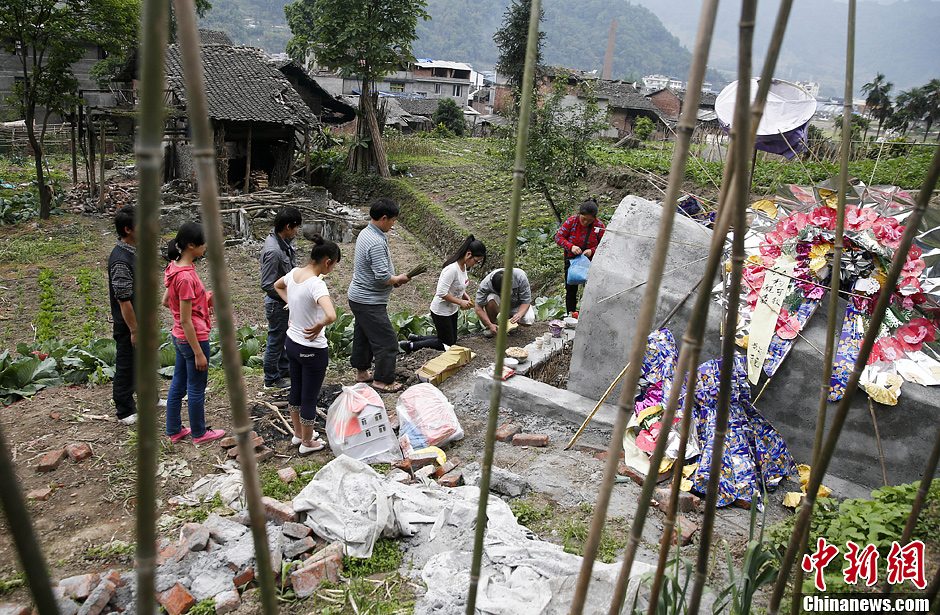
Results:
<point x="462" y="30"/>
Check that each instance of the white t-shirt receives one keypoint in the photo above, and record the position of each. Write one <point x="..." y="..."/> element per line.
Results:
<point x="453" y="282"/>
<point x="302" y="298"/>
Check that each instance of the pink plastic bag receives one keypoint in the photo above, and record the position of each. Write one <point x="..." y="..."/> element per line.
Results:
<point x="426" y="418"/>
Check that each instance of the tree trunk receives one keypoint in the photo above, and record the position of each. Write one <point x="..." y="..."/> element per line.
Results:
<point x="248" y="164"/>
<point x="74" y="146"/>
<point x="375" y="132"/>
<point x="102" y="191"/>
<point x="551" y="203"/>
<point x="45" y="198"/>
<point x="927" y="130"/>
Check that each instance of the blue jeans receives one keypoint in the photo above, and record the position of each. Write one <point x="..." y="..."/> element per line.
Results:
<point x="191" y="382"/>
<point x="275" y="358"/>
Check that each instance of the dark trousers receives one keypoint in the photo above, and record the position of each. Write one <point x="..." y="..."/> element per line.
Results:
<point x="275" y="360"/>
<point x="374" y="338"/>
<point x="571" y="291"/>
<point x="446" y="333"/>
<point x="307" y="371"/>
<point x="123" y="383"/>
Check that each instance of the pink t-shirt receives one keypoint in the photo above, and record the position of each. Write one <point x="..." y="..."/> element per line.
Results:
<point x="183" y="284"/>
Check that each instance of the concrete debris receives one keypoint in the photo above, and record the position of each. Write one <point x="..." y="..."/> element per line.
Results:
<point x="296" y="530"/>
<point x="79" y="587"/>
<point x="194" y="536"/>
<point x="224" y="530"/>
<point x="299" y="547"/>
<point x="227" y="601"/>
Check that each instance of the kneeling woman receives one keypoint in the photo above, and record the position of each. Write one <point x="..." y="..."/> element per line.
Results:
<point x="451" y="297"/>
<point x="311" y="310"/>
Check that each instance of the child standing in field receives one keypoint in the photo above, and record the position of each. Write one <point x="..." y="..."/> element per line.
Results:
<point x="311" y="310"/>
<point x="191" y="305"/>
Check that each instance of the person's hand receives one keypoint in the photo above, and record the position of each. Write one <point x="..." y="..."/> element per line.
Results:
<point x="576" y="250"/>
<point x="311" y="333"/>
<point x="133" y="338"/>
<point x="400" y="280"/>
<point x="589" y="253"/>
<point x="515" y="318"/>
<point x="493" y="327"/>
<point x="202" y="364"/>
<point x="466" y="304"/>
<point x="210" y="300"/>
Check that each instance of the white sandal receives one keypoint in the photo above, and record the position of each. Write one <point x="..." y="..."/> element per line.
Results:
<point x="318" y="445"/>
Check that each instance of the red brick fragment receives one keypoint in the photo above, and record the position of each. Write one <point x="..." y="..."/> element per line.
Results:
<point x="530" y="439"/>
<point x="278" y="511"/>
<point x="452" y="479"/>
<point x="79" y="451"/>
<point x="287" y="475"/>
<point x="506" y="431"/>
<point x="307" y="579"/>
<point x="244" y="577"/>
<point x="176" y="600"/>
<point x="51" y="460"/>
<point x="42" y="494"/>
<point x="451" y="463"/>
<point x="79" y="587"/>
<point x="684" y="532"/>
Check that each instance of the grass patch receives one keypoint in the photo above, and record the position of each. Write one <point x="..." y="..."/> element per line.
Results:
<point x="92" y="292"/>
<point x="198" y="514"/>
<point x="530" y="511"/>
<point x="273" y="487"/>
<point x="386" y="557"/>
<point x="12" y="582"/>
<point x="390" y="595"/>
<point x="49" y="319"/>
<point x="204" y="607"/>
<point x="116" y="549"/>
<point x="574" y="533"/>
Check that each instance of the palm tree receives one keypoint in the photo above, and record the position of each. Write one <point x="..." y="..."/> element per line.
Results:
<point x="910" y="108"/>
<point x="878" y="102"/>
<point x="931" y="105"/>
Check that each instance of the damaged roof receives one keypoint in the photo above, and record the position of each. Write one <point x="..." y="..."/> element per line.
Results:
<point x="622" y="95"/>
<point x="419" y="106"/>
<point x="214" y="37"/>
<point x="241" y="86"/>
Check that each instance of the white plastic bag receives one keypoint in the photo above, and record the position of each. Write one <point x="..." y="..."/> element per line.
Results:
<point x="426" y="418"/>
<point x="357" y="425"/>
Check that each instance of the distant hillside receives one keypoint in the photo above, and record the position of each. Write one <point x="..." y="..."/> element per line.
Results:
<point x="462" y="30"/>
<point x="898" y="39"/>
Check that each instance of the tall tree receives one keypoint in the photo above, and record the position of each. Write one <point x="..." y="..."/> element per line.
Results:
<point x="511" y="41"/>
<point x="931" y="105"/>
<point x="48" y="37"/>
<point x="365" y="38"/>
<point x="877" y="100"/>
<point x="910" y="107"/>
<point x="450" y="115"/>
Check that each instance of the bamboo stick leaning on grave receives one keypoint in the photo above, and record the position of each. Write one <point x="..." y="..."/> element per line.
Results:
<point x="28" y="550"/>
<point x="518" y="176"/>
<point x="739" y="220"/>
<point x="650" y="299"/>
<point x="838" y="243"/>
<point x="148" y="287"/>
<point x="912" y="223"/>
<point x="619" y="377"/>
<point x="204" y="155"/>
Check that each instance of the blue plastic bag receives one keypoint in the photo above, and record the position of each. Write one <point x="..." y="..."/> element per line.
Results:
<point x="578" y="270"/>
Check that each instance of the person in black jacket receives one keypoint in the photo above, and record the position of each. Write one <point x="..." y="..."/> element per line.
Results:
<point x="278" y="257"/>
<point x="121" y="293"/>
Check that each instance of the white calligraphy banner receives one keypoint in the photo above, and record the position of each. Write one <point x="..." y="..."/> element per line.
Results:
<point x="773" y="291"/>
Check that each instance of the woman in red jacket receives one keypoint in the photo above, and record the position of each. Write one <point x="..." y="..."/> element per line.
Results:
<point x="579" y="235"/>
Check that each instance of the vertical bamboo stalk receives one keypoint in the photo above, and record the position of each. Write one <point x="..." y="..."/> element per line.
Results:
<point x="518" y="177"/>
<point x="204" y="155"/>
<point x="800" y="529"/>
<point x="72" y="150"/>
<point x="28" y="550"/>
<point x="741" y="180"/>
<point x="644" y="322"/>
<point x="838" y="244"/>
<point x="696" y="327"/>
<point x="307" y="153"/>
<point x="248" y="163"/>
<point x="149" y="151"/>
<point x="101" y="184"/>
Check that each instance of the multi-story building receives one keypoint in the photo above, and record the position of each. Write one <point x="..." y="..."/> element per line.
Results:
<point x="431" y="79"/>
<point x="653" y="83"/>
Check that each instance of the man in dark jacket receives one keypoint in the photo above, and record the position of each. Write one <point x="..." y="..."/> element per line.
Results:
<point x="278" y="257"/>
<point x="121" y="264"/>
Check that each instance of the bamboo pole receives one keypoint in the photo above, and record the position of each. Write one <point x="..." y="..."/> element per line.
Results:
<point x="838" y="245"/>
<point x="696" y="328"/>
<point x="248" y="163"/>
<point x="644" y="322"/>
<point x="72" y="150"/>
<point x="28" y="550"/>
<point x="912" y="223"/>
<point x="101" y="162"/>
<point x="739" y="220"/>
<point x="518" y="178"/>
<point x="307" y="153"/>
<point x="149" y="152"/>
<point x="204" y="155"/>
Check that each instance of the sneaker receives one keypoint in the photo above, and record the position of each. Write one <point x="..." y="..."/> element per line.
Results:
<point x="178" y="437"/>
<point x="130" y="419"/>
<point x="161" y="403"/>
<point x="209" y="436"/>
<point x="294" y="441"/>
<point x="279" y="384"/>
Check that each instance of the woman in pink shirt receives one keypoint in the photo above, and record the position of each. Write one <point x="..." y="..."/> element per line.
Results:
<point x="191" y="305"/>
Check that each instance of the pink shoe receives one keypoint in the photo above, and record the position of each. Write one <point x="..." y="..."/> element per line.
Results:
<point x="209" y="436"/>
<point x="178" y="437"/>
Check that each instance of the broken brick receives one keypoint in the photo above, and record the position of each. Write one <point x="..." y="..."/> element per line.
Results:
<point x="506" y="431"/>
<point x="176" y="600"/>
<point x="15" y="609"/>
<point x="79" y="587"/>
<point x="451" y="479"/>
<point x="42" y="494"/>
<point x="232" y="453"/>
<point x="687" y="502"/>
<point x="264" y="454"/>
<point x="684" y="532"/>
<point x="287" y="475"/>
<point x="278" y="511"/>
<point x="228" y="442"/>
<point x="295" y="530"/>
<point x="299" y="547"/>
<point x="55" y="416"/>
<point x="244" y="577"/>
<point x="306" y="580"/>
<point x="530" y="439"/>
<point x="451" y="463"/>
<point x="51" y="460"/>
<point x="79" y="451"/>
<point x="195" y="536"/>
<point x="98" y="599"/>
<point x="227" y="601"/>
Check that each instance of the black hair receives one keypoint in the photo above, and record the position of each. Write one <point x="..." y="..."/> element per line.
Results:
<point x="123" y="220"/>
<point x="497" y="280"/>
<point x="588" y="207"/>
<point x="190" y="234"/>
<point x="286" y="216"/>
<point x="324" y="248"/>
<point x="383" y="207"/>
<point x="472" y="245"/>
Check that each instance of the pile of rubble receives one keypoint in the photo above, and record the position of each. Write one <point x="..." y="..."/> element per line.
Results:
<point x="262" y="452"/>
<point x="51" y="460"/>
